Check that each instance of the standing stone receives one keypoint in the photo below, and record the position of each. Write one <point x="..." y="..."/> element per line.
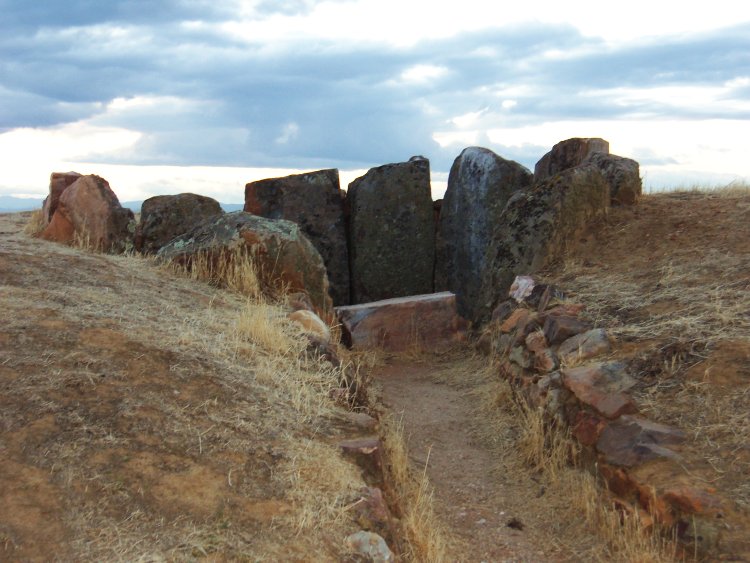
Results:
<point x="89" y="213"/>
<point x="58" y="183"/>
<point x="622" y="174"/>
<point x="165" y="217"/>
<point x="392" y="232"/>
<point x="479" y="186"/>
<point x="568" y="154"/>
<point x="313" y="201"/>
<point x="537" y="226"/>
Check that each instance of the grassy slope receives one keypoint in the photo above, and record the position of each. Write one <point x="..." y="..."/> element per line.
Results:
<point x="144" y="416"/>
<point x="670" y="279"/>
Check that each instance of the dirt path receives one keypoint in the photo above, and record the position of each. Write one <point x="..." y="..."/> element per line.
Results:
<point x="495" y="508"/>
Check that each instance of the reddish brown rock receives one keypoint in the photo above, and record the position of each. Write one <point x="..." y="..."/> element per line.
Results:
<point x="286" y="260"/>
<point x="503" y="311"/>
<point x="58" y="183"/>
<point x="691" y="500"/>
<point x="165" y="217"/>
<point x="558" y="328"/>
<point x="601" y="386"/>
<point x="517" y="320"/>
<point x="313" y="201"/>
<point x="545" y="360"/>
<point x="633" y="440"/>
<point x="584" y="346"/>
<point x="568" y="154"/>
<point x="89" y="213"/>
<point x="587" y="427"/>
<point x="373" y="513"/>
<point x="420" y="321"/>
<point x="367" y="453"/>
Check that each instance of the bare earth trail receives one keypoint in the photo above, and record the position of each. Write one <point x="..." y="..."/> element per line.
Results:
<point x="495" y="508"/>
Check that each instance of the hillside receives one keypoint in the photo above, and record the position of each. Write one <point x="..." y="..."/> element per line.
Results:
<point x="147" y="417"/>
<point x="144" y="416"/>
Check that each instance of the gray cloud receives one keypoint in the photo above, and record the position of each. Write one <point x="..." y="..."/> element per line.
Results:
<point x="346" y="104"/>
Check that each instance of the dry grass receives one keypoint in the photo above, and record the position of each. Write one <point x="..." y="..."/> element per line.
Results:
<point x="233" y="269"/>
<point x="179" y="417"/>
<point x="424" y="535"/>
<point x="625" y="533"/>
<point x="35" y="224"/>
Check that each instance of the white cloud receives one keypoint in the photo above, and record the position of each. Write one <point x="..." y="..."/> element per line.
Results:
<point x="289" y="132"/>
<point x="423" y="73"/>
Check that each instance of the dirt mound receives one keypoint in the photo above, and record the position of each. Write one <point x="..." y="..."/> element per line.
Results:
<point x="144" y="416"/>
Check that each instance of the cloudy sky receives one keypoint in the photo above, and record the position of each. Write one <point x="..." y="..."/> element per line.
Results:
<point x="204" y="96"/>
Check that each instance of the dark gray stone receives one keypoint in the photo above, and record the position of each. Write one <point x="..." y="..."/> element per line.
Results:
<point x="622" y="174"/>
<point x="312" y="200"/>
<point x="392" y="232"/>
<point x="537" y="226"/>
<point x="166" y="217"/>
<point x="479" y="186"/>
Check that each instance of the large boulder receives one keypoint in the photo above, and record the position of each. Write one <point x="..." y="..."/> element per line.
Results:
<point x="58" y="183"/>
<point x="88" y="213"/>
<point x="284" y="257"/>
<point x="165" y="217"/>
<point x="537" y="225"/>
<point x="622" y="174"/>
<point x="413" y="322"/>
<point x="313" y="200"/>
<point x="479" y="186"/>
<point x="568" y="154"/>
<point x="392" y="232"/>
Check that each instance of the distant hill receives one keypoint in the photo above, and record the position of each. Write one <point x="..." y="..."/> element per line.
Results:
<point x="10" y="204"/>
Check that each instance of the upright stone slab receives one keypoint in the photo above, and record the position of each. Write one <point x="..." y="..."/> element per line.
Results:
<point x="392" y="232"/>
<point x="568" y="154"/>
<point x="479" y="186"/>
<point x="537" y="225"/>
<point x="312" y="200"/>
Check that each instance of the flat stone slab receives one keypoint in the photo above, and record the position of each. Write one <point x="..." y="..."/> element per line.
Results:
<point x="418" y="321"/>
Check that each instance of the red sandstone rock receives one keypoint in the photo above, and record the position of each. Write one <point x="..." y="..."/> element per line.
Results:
<point x="584" y="346"/>
<point x="58" y="183"/>
<point x="587" y="427"/>
<point x="88" y="210"/>
<point x="367" y="454"/>
<point x="693" y="501"/>
<point x="518" y="319"/>
<point x="399" y="324"/>
<point x="559" y="328"/>
<point x="602" y="387"/>
<point x="632" y="440"/>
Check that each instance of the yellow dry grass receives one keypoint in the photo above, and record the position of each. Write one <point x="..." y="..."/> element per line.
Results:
<point x="424" y="535"/>
<point x="217" y="442"/>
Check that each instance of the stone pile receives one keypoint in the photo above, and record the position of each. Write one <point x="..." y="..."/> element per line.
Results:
<point x="384" y="238"/>
<point x="556" y="360"/>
